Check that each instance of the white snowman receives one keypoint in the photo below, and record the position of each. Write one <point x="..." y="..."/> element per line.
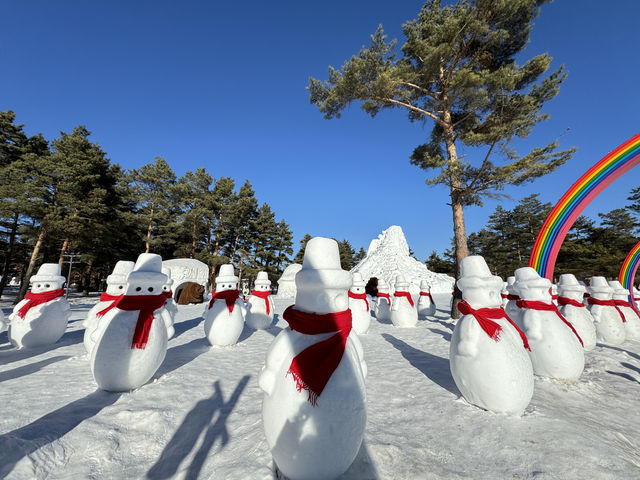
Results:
<point x="3" y="321"/>
<point x="426" y="305"/>
<point x="116" y="285"/>
<point x="504" y="294"/>
<point x="260" y="304"/>
<point x="621" y="299"/>
<point x="556" y="348"/>
<point x="224" y="320"/>
<point x="359" y="305"/>
<point x="170" y="310"/>
<point x="609" y="321"/>
<point x="554" y="294"/>
<point x="488" y="353"/>
<point x="403" y="310"/>
<point x="41" y="317"/>
<point x="511" y="307"/>
<point x="570" y="295"/>
<point x="314" y="407"/>
<point x="383" y="305"/>
<point x="132" y="338"/>
<point x="636" y="296"/>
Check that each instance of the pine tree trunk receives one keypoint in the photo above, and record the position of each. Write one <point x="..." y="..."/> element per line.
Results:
<point x="63" y="250"/>
<point x="149" y="228"/>
<point x="86" y="279"/>
<point x="32" y="262"/>
<point x="7" y="258"/>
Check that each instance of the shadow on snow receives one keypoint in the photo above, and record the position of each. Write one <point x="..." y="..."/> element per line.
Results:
<point x="31" y="368"/>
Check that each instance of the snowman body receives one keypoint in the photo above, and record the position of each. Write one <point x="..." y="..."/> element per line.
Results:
<point x="632" y="323"/>
<point x="580" y="318"/>
<point x="426" y="307"/>
<point x="383" y="309"/>
<point x="92" y="322"/>
<point x="42" y="325"/>
<point x="168" y="315"/>
<point x="360" y="313"/>
<point x="609" y="326"/>
<point x="221" y="326"/>
<point x="257" y="316"/>
<point x="403" y="314"/>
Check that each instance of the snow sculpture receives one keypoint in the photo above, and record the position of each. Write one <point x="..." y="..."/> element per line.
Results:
<point x="260" y="305"/>
<point x="426" y="306"/>
<point x="184" y="271"/>
<point x="570" y="295"/>
<point x="556" y="348"/>
<point x="287" y="282"/>
<point x="631" y="316"/>
<point x="359" y="305"/>
<point x="314" y="409"/>
<point x="41" y="317"/>
<point x="170" y="309"/>
<point x="132" y="338"/>
<point x="224" y="320"/>
<point x="488" y="352"/>
<point x="511" y="307"/>
<point x="383" y="306"/>
<point x="608" y="318"/>
<point x="403" y="310"/>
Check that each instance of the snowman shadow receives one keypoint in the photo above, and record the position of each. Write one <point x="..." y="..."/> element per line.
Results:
<point x="14" y="355"/>
<point x="179" y="356"/>
<point x="433" y="367"/>
<point x="626" y="376"/>
<point x="185" y="326"/>
<point x="49" y="428"/>
<point x="30" y="368"/>
<point x="246" y="333"/>
<point x="445" y="335"/>
<point x="631" y="354"/>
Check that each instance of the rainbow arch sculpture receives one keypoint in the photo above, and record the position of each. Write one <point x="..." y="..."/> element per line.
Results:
<point x="575" y="200"/>
<point x="628" y="272"/>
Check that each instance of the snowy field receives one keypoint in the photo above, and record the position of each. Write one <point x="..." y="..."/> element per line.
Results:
<point x="200" y="417"/>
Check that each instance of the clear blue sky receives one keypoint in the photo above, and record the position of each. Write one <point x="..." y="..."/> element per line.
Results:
<point x="222" y="85"/>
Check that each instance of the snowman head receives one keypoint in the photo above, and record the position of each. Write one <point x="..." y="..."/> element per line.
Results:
<point x="321" y="284"/>
<point x="531" y="286"/>
<point x="479" y="287"/>
<point x="619" y="292"/>
<point x="424" y="286"/>
<point x="382" y="286"/>
<point x="401" y="284"/>
<point x="358" y="286"/>
<point x="599" y="288"/>
<point x="262" y="283"/>
<point x="511" y="285"/>
<point x="117" y="281"/>
<point x="167" y="286"/>
<point x="146" y="278"/>
<point x="226" y="280"/>
<point x="47" y="279"/>
<point x="569" y="287"/>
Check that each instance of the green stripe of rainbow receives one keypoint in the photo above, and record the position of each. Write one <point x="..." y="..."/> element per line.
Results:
<point x="628" y="271"/>
<point x="574" y="201"/>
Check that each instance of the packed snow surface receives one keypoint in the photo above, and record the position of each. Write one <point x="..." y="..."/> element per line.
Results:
<point x="388" y="256"/>
<point x="200" y="416"/>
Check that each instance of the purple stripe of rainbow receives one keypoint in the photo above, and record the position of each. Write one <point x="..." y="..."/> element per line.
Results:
<point x="575" y="200"/>
<point x="628" y="271"/>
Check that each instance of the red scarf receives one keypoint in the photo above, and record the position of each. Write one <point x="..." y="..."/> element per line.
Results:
<point x="35" y="299"/>
<point x="547" y="307"/>
<point x="359" y="296"/>
<point x="146" y="304"/>
<point x="504" y="295"/>
<point x="312" y="367"/>
<point x="485" y="317"/>
<point x="407" y="295"/>
<point x="264" y="296"/>
<point x="107" y="297"/>
<point x="385" y="295"/>
<point x="513" y="297"/>
<point x="229" y="296"/>
<point x="623" y="303"/>
<point x="586" y="295"/>
<point x="607" y="303"/>
<point x="425" y="294"/>
<point x="168" y="295"/>
<point x="570" y="301"/>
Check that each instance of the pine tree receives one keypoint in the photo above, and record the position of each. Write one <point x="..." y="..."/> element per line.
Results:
<point x="439" y="265"/>
<point x="192" y="191"/>
<point x="634" y="207"/>
<point x="458" y="71"/>
<point x="303" y="244"/>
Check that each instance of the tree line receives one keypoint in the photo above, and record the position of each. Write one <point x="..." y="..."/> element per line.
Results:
<point x="590" y="247"/>
<point x="66" y="196"/>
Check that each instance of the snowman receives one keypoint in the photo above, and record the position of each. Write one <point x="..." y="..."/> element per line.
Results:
<point x="554" y="294"/>
<point x="314" y="407"/>
<point x="224" y="320"/>
<point x="116" y="284"/>
<point x="632" y="317"/>
<point x="3" y="321"/>
<point x="359" y="305"/>
<point x="403" y="311"/>
<point x="383" y="306"/>
<point x="511" y="306"/>
<point x="608" y="318"/>
<point x="636" y="296"/>
<point x="132" y="338"/>
<point x="556" y="348"/>
<point x="504" y="294"/>
<point x="488" y="352"/>
<point x="41" y="318"/>
<point x="426" y="305"/>
<point x="260" y="305"/>
<point x="570" y="295"/>
<point x="170" y="309"/>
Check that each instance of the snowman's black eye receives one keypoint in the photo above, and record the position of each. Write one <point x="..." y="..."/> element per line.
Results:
<point x="37" y="285"/>
<point x="138" y="289"/>
<point x="46" y="285"/>
<point x="150" y="289"/>
<point x="120" y="287"/>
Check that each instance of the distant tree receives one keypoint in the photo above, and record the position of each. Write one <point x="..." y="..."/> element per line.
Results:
<point x="634" y="207"/>
<point x="192" y="191"/>
<point x="347" y="254"/>
<point x="360" y="255"/>
<point x="439" y="265"/>
<point x="303" y="244"/>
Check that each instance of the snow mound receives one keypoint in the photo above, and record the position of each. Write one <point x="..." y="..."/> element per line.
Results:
<point x="287" y="282"/>
<point x="388" y="256"/>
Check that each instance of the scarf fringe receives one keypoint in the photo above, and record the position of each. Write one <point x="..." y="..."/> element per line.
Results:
<point x="312" y="397"/>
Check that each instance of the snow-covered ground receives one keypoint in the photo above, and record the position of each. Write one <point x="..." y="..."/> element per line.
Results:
<point x="200" y="417"/>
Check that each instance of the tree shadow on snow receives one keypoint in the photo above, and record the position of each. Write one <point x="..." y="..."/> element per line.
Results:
<point x="630" y="366"/>
<point x="246" y="333"/>
<point x="433" y="367"/>
<point x="631" y="354"/>
<point x="13" y="355"/>
<point x="31" y="368"/>
<point x="181" y="355"/>
<point x="623" y="375"/>
<point x="195" y="423"/>
<point x="24" y="441"/>
<point x="445" y="335"/>
<point x="185" y="326"/>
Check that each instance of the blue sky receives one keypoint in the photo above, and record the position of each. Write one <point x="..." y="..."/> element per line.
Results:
<point x="222" y="85"/>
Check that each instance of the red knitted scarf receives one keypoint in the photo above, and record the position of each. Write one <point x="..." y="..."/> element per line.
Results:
<point x="168" y="294"/>
<point x="146" y="304"/>
<point x="570" y="301"/>
<point x="107" y="297"/>
<point x="425" y="294"/>
<point x="623" y="303"/>
<point x="504" y="295"/>
<point x="359" y="296"/>
<point x="547" y="307"/>
<point x="264" y="296"/>
<point x="229" y="296"/>
<point x="513" y="297"/>
<point x="607" y="303"/>
<point x="407" y="295"/>
<point x="312" y="367"/>
<point x="385" y="295"/>
<point x="485" y="317"/>
<point x="35" y="299"/>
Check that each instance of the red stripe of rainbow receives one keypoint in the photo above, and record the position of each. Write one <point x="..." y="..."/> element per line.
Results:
<point x="574" y="201"/>
<point x="628" y="271"/>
